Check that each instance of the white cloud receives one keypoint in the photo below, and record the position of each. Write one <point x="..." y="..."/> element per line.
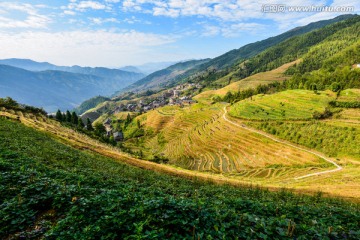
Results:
<point x="234" y="11"/>
<point x="235" y="30"/>
<point x="84" y="5"/>
<point x="211" y="31"/>
<point x="100" y="21"/>
<point x="92" y="48"/>
<point x="68" y="12"/>
<point x="32" y="20"/>
<point x="231" y="30"/>
<point x="158" y="11"/>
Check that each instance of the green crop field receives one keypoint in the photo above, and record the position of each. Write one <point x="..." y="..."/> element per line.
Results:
<point x="336" y="140"/>
<point x="49" y="190"/>
<point x="291" y="104"/>
<point x="349" y="95"/>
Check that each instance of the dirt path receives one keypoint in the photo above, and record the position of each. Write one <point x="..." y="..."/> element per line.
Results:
<point x="338" y="168"/>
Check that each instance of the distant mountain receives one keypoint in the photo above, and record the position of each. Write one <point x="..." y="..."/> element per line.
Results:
<point x="58" y="89"/>
<point x="28" y="64"/>
<point x="130" y="69"/>
<point x="163" y="78"/>
<point x="48" y="78"/>
<point x="119" y="78"/>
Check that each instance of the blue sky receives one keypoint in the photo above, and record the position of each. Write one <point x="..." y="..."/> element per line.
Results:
<point x="115" y="33"/>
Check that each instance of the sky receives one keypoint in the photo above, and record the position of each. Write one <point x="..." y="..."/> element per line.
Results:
<point x="114" y="33"/>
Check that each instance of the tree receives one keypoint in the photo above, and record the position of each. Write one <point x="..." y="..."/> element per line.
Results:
<point x="335" y="86"/>
<point x="81" y="123"/>
<point x="59" y="116"/>
<point x="313" y="87"/>
<point x="74" y="118"/>
<point x="68" y="116"/>
<point x="8" y="102"/>
<point x="88" y="125"/>
<point x="138" y="123"/>
<point x="128" y="118"/>
<point x="99" y="129"/>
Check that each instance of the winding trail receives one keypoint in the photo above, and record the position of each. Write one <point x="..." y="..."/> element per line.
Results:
<point x="338" y="168"/>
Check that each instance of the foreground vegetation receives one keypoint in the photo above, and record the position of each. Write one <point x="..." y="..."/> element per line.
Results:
<point x="50" y="190"/>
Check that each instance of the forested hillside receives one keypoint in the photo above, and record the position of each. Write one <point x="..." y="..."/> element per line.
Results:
<point x="91" y="103"/>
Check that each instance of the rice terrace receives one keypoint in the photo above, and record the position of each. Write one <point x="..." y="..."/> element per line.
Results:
<point x="255" y="136"/>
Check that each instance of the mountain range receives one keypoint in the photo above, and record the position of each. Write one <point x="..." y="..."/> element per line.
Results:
<point x="55" y="87"/>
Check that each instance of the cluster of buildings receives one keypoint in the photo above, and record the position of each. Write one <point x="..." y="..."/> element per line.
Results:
<point x="170" y="97"/>
<point x="118" y="136"/>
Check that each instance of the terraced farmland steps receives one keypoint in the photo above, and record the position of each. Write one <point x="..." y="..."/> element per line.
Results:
<point x="338" y="167"/>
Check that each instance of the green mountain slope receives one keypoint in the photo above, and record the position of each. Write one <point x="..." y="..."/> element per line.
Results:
<point x="91" y="103"/>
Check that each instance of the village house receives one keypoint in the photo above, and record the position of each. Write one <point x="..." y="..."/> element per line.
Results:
<point x="168" y="94"/>
<point x="176" y="93"/>
<point x="185" y="98"/>
<point x="147" y="108"/>
<point x="118" y="136"/>
<point x="171" y="101"/>
<point x="108" y="127"/>
<point x="131" y="107"/>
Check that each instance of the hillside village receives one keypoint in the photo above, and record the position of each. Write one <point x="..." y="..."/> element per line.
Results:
<point x="171" y="97"/>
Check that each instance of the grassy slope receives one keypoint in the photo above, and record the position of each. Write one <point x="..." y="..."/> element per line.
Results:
<point x="249" y="82"/>
<point x="50" y="189"/>
<point x="291" y="104"/>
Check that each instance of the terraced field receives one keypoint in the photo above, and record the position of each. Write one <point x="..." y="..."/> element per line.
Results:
<point x="116" y="116"/>
<point x="291" y="105"/>
<point x="349" y="95"/>
<point x="276" y="75"/>
<point x="198" y="138"/>
<point x="352" y="115"/>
